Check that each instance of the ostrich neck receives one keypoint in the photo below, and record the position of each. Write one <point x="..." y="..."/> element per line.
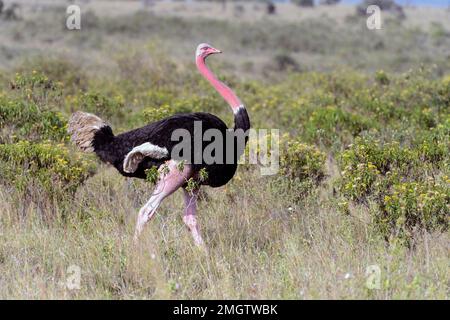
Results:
<point x="229" y="96"/>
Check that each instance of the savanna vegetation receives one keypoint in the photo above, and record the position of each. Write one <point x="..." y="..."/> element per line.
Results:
<point x="364" y="175"/>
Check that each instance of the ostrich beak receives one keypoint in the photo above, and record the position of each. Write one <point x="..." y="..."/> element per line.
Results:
<point x="214" y="50"/>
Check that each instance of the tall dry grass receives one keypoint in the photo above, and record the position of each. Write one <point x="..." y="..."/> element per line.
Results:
<point x="260" y="246"/>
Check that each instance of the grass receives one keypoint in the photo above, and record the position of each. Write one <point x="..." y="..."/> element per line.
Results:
<point x="259" y="247"/>
<point x="311" y="232"/>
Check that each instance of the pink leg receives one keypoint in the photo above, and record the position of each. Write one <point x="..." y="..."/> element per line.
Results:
<point x="167" y="184"/>
<point x="190" y="219"/>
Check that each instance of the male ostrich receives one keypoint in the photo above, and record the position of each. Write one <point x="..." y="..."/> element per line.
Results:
<point x="131" y="153"/>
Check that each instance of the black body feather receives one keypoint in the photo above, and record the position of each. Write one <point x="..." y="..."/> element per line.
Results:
<point x="113" y="149"/>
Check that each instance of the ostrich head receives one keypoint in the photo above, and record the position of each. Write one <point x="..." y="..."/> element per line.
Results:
<point x="204" y="50"/>
<point x="83" y="127"/>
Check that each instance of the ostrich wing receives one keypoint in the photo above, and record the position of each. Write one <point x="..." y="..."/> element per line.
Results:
<point x="135" y="156"/>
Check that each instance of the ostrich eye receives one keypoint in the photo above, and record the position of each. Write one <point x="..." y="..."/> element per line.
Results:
<point x="204" y="48"/>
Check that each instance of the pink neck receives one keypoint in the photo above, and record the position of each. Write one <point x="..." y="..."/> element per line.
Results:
<point x="222" y="88"/>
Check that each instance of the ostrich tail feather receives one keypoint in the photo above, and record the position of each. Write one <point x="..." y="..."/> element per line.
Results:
<point x="83" y="127"/>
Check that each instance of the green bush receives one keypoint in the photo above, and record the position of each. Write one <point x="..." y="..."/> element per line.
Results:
<point x="155" y="98"/>
<point x="58" y="70"/>
<point x="37" y="87"/>
<point x="381" y="77"/>
<point x="410" y="100"/>
<point x="413" y="206"/>
<point x="155" y="114"/>
<point x="402" y="182"/>
<point x="24" y="81"/>
<point x="207" y="103"/>
<point x="182" y="105"/>
<point x="367" y="161"/>
<point x="97" y="103"/>
<point x="27" y="110"/>
<point x="302" y="162"/>
<point x="21" y="119"/>
<point x="42" y="170"/>
<point x="331" y="124"/>
<point x="433" y="146"/>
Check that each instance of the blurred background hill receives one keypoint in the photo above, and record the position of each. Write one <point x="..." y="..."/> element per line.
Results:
<point x="258" y="43"/>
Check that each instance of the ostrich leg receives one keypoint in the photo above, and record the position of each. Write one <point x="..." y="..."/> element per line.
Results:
<point x="190" y="219"/>
<point x="167" y="184"/>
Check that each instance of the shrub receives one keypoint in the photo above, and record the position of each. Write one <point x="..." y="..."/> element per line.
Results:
<point x="367" y="161"/>
<point x="446" y="82"/>
<point x="154" y="98"/>
<point x="208" y="103"/>
<point x="42" y="170"/>
<point x="381" y="77"/>
<point x="26" y="111"/>
<point x="433" y="145"/>
<point x="181" y="105"/>
<point x="302" y="162"/>
<point x="36" y="87"/>
<point x="23" y="81"/>
<point x="97" y="103"/>
<point x="331" y="124"/>
<point x="302" y="168"/>
<point x="284" y="62"/>
<point x="400" y="181"/>
<point x="21" y="119"/>
<point x="155" y="114"/>
<point x="413" y="206"/>
<point x="58" y="70"/>
<point x="409" y="101"/>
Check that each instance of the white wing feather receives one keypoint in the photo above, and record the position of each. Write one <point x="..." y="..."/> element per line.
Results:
<point x="135" y="156"/>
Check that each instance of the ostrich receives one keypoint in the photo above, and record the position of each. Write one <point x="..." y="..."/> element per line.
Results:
<point x="135" y="151"/>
